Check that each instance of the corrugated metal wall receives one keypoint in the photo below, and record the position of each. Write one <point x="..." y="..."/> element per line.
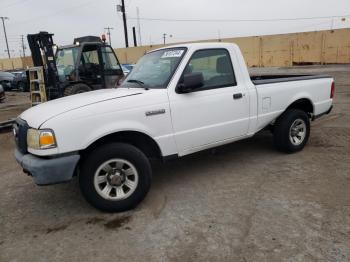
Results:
<point x="322" y="47"/>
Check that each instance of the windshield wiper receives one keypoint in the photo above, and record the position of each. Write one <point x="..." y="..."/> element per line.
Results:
<point x="136" y="81"/>
<point x="142" y="84"/>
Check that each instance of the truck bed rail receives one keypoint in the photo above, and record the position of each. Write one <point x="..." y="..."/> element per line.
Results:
<point x="271" y="79"/>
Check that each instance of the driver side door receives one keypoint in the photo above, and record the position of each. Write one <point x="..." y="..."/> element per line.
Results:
<point x="213" y="113"/>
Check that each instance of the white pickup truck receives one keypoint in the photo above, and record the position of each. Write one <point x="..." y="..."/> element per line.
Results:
<point x="176" y="101"/>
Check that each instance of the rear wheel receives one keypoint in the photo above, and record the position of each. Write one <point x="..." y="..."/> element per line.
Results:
<point x="291" y="131"/>
<point x="76" y="89"/>
<point x="115" y="177"/>
<point x="22" y="86"/>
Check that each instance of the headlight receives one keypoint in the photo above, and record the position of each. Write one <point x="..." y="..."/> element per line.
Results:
<point x="41" y="139"/>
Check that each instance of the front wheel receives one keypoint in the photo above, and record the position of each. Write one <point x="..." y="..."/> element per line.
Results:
<point x="115" y="177"/>
<point x="291" y="131"/>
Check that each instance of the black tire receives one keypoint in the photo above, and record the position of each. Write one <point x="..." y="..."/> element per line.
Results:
<point x="76" y="89"/>
<point x="21" y="86"/>
<point x="107" y="152"/>
<point x="5" y="86"/>
<point x="283" y="133"/>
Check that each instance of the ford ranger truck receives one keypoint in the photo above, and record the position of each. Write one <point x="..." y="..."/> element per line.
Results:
<point x="176" y="101"/>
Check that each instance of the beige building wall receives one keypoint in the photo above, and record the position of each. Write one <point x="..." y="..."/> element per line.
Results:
<point x="15" y="63"/>
<point x="320" y="47"/>
<point x="331" y="46"/>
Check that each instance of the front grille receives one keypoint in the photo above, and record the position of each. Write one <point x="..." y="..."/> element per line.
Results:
<point x="20" y="131"/>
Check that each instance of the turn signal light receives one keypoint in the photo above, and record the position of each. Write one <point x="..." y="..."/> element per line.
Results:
<point x="46" y="139"/>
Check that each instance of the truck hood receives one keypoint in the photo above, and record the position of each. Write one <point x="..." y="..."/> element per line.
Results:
<point x="37" y="115"/>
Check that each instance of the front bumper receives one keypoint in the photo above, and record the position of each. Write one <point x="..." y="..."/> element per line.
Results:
<point x="48" y="171"/>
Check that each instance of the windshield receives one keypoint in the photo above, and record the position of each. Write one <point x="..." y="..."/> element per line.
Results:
<point x="65" y="61"/>
<point x="155" y="69"/>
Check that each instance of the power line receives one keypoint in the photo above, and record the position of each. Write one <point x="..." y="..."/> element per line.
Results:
<point x="234" y="20"/>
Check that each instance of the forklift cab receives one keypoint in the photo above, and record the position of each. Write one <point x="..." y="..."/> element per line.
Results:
<point x="89" y="61"/>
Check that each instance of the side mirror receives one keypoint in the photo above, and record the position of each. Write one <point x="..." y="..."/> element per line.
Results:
<point x="190" y="82"/>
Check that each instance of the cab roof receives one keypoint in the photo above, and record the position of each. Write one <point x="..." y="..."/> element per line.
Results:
<point x="202" y="45"/>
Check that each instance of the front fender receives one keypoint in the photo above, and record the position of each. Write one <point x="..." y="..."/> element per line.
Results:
<point x="112" y="128"/>
<point x="75" y="132"/>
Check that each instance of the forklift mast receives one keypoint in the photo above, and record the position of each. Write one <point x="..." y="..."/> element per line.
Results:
<point x="41" y="47"/>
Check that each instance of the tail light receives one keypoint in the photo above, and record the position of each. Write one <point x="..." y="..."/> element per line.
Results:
<point x="332" y="90"/>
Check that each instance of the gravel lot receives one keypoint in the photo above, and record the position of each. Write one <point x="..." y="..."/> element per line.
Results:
<point x="241" y="202"/>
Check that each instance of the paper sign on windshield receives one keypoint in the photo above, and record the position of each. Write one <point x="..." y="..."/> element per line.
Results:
<point x="173" y="53"/>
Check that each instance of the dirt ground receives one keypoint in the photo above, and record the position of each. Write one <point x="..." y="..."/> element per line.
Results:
<point x="241" y="202"/>
<point x="15" y="104"/>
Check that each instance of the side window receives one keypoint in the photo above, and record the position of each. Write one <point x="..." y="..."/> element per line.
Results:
<point x="109" y="59"/>
<point x="90" y="67"/>
<point x="91" y="57"/>
<point x="215" y="65"/>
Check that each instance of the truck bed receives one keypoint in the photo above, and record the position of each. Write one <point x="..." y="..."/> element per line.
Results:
<point x="270" y="79"/>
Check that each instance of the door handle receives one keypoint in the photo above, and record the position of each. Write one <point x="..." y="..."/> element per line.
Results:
<point x="237" y="96"/>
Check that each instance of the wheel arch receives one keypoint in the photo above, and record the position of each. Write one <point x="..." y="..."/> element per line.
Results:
<point x="304" y="104"/>
<point x="136" y="138"/>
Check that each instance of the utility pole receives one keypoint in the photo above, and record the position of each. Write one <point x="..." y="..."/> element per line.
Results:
<point x="3" y="25"/>
<point x="121" y="8"/>
<point x="138" y="25"/>
<point x="134" y="35"/>
<point x="23" y="46"/>
<point x="332" y="23"/>
<point x="164" y="37"/>
<point x="109" y="34"/>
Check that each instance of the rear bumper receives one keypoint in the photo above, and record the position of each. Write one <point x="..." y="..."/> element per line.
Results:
<point x="48" y="171"/>
<point x="325" y="113"/>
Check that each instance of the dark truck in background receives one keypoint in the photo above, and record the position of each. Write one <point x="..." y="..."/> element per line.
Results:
<point x="2" y="94"/>
<point x="6" y="79"/>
